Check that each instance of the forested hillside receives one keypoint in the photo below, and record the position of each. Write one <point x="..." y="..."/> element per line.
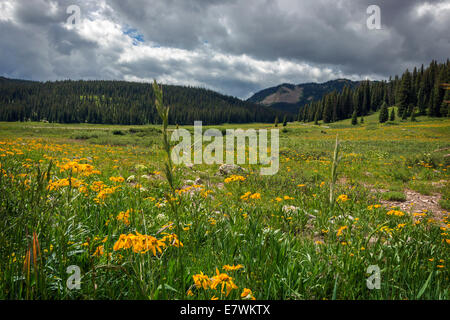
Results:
<point x="120" y="102"/>
<point x="420" y="92"/>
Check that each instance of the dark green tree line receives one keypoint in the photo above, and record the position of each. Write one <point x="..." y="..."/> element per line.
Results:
<point x="422" y="91"/>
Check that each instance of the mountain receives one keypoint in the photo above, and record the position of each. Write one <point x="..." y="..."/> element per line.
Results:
<point x="121" y="102"/>
<point x="5" y="80"/>
<point x="289" y="97"/>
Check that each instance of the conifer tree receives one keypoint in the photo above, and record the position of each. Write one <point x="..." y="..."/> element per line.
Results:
<point x="327" y="110"/>
<point x="300" y="114"/>
<point x="392" y="117"/>
<point x="405" y="114"/>
<point x="413" y="115"/>
<point x="366" y="99"/>
<point x="445" y="106"/>
<point x="384" y="114"/>
<point x="355" y="118"/>
<point x="421" y="101"/>
<point x="438" y="95"/>
<point x="404" y="94"/>
<point x="316" y="117"/>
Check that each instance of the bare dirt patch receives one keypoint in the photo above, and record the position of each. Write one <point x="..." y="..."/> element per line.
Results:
<point x="284" y="94"/>
<point x="417" y="202"/>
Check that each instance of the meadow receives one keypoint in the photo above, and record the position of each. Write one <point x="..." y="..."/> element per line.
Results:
<point x="96" y="197"/>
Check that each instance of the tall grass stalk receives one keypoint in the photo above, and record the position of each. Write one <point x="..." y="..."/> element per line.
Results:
<point x="163" y="112"/>
<point x="334" y="167"/>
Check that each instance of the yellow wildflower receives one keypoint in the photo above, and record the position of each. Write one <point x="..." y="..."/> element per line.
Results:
<point x="232" y="268"/>
<point x="247" y="294"/>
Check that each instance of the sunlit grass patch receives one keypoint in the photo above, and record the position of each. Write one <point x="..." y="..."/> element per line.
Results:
<point x="394" y="196"/>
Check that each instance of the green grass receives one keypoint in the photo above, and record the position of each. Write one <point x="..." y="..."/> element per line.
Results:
<point x="445" y="204"/>
<point x="394" y="196"/>
<point x="313" y="251"/>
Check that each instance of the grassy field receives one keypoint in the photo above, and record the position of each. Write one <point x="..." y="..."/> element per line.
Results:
<point x="95" y="197"/>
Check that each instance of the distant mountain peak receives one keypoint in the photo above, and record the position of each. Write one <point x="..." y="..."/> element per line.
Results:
<point x="290" y="97"/>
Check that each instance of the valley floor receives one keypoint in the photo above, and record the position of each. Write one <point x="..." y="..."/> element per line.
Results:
<point x="96" y="197"/>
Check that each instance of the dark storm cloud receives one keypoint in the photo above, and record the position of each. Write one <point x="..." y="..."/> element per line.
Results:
<point x="316" y="31"/>
<point x="236" y="47"/>
<point x="35" y="44"/>
<point x="180" y="24"/>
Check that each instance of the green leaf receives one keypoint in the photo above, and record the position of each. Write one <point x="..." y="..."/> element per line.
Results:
<point x="335" y="288"/>
<point x="167" y="287"/>
<point x="425" y="285"/>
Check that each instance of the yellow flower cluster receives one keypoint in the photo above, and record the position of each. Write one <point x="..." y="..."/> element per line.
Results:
<point x="206" y="193"/>
<point x="248" y="195"/>
<point x="397" y="213"/>
<point x="212" y="221"/>
<point x="124" y="215"/>
<point x="232" y="268"/>
<point x="84" y="169"/>
<point x="202" y="281"/>
<point x="342" y="198"/>
<point x="419" y="214"/>
<point x="117" y="179"/>
<point x="75" y="183"/>
<point x="220" y="279"/>
<point x="189" y="189"/>
<point x="104" y="193"/>
<point x="97" y="186"/>
<point x="278" y="199"/>
<point x="341" y="230"/>
<point x="386" y="229"/>
<point x="141" y="243"/>
<point x="247" y="294"/>
<point x="374" y="206"/>
<point x="225" y="281"/>
<point x="99" y="251"/>
<point x="400" y="226"/>
<point x="233" y="178"/>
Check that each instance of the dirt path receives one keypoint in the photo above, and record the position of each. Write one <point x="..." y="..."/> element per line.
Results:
<point x="416" y="202"/>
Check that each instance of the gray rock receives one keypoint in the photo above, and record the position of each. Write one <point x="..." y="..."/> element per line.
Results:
<point x="310" y="216"/>
<point x="226" y="169"/>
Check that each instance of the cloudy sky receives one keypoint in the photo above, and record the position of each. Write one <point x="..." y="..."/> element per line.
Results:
<point x="236" y="47"/>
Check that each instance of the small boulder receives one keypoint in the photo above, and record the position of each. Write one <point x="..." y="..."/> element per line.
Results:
<point x="227" y="169"/>
<point x="289" y="209"/>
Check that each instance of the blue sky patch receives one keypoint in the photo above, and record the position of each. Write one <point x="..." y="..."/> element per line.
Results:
<point x="134" y="34"/>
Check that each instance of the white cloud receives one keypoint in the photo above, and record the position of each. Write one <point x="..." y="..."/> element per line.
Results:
<point x="6" y="11"/>
<point x="438" y="10"/>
